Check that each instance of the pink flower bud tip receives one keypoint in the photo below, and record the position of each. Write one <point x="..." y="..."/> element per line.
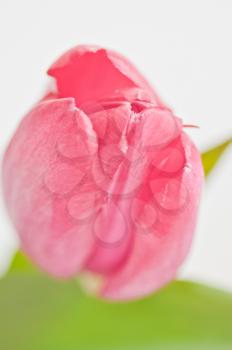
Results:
<point x="100" y="177"/>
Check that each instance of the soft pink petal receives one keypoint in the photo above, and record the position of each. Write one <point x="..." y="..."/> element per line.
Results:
<point x="158" y="252"/>
<point x="40" y="179"/>
<point x="91" y="73"/>
<point x="159" y="127"/>
<point x="113" y="237"/>
<point x="120" y="169"/>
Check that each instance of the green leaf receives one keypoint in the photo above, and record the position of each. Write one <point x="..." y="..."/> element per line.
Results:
<point x="21" y="263"/>
<point x="37" y="313"/>
<point x="213" y="155"/>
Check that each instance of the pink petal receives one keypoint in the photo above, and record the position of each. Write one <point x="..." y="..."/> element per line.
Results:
<point x="110" y="124"/>
<point x="38" y="183"/>
<point x="159" y="128"/>
<point x="169" y="160"/>
<point x="63" y="178"/>
<point x="84" y="204"/>
<point x="116" y="173"/>
<point x="112" y="235"/>
<point x="91" y="73"/>
<point x="156" y="255"/>
<point x="71" y="146"/>
<point x="143" y="214"/>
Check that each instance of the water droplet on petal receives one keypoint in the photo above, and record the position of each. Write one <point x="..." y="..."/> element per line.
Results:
<point x="73" y="146"/>
<point x="111" y="157"/>
<point x="63" y="178"/>
<point x="110" y="225"/>
<point x="170" y="194"/>
<point x="117" y="173"/>
<point x="82" y="205"/>
<point x="160" y="127"/>
<point x="170" y="160"/>
<point x="143" y="214"/>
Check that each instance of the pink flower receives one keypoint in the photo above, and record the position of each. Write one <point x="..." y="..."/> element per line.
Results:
<point x="101" y="177"/>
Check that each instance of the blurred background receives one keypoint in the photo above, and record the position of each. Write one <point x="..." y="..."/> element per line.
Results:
<point x="183" y="47"/>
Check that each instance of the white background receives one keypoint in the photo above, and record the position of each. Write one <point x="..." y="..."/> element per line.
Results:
<point x="183" y="47"/>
